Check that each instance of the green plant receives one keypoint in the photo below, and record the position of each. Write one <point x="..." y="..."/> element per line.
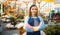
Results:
<point x="20" y="16"/>
<point x="0" y="6"/>
<point x="52" y="30"/>
<point x="13" y="21"/>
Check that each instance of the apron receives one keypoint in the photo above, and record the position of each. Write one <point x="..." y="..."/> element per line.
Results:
<point x="32" y="23"/>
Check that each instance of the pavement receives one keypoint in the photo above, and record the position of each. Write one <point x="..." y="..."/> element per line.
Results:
<point x="11" y="32"/>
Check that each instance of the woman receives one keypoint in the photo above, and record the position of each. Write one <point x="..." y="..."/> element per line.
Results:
<point x="33" y="22"/>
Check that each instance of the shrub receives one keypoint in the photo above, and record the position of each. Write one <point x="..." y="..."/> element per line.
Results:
<point x="52" y="30"/>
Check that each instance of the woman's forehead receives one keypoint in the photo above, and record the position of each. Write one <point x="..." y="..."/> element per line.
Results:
<point x="34" y="7"/>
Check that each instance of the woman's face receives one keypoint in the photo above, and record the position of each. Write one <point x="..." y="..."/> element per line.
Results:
<point x="34" y="10"/>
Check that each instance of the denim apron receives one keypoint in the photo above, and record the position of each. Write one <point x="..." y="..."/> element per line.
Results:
<point x="31" y="22"/>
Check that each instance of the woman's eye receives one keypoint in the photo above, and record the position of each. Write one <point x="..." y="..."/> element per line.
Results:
<point x="32" y="9"/>
<point x="35" y="9"/>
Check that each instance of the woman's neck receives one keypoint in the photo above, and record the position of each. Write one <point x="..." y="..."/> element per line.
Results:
<point x="33" y="15"/>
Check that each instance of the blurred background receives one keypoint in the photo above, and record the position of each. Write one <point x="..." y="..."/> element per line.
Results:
<point x="13" y="12"/>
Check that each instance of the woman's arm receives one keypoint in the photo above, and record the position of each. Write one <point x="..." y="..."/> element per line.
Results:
<point x="28" y="27"/>
<point x="42" y="25"/>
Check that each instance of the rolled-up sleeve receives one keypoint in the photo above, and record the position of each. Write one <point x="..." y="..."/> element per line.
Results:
<point x="27" y="27"/>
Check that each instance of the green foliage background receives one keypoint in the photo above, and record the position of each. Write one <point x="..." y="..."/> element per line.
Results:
<point x="52" y="30"/>
<point x="0" y="6"/>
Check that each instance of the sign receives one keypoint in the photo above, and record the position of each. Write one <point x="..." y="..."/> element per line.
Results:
<point x="49" y="0"/>
<point x="57" y="1"/>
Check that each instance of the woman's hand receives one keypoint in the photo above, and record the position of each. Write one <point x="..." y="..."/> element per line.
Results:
<point x="35" y="28"/>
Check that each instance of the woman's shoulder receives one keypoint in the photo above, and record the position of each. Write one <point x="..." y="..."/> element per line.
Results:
<point x="39" y="17"/>
<point x="27" y="17"/>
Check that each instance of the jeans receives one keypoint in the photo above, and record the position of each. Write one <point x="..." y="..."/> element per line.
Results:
<point x="33" y="33"/>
